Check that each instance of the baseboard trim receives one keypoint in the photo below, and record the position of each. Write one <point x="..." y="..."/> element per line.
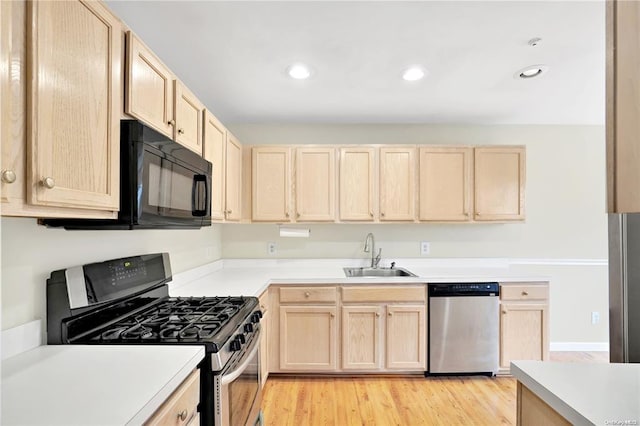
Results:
<point x="579" y="346"/>
<point x="21" y="339"/>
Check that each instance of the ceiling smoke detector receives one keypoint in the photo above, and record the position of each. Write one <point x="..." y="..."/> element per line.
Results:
<point x="531" y="72"/>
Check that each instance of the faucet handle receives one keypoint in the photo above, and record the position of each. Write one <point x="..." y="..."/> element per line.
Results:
<point x="392" y="265"/>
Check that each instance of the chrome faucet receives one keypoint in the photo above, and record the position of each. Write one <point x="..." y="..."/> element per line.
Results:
<point x="375" y="260"/>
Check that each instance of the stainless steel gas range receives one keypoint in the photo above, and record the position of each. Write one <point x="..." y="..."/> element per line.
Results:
<point x="125" y="301"/>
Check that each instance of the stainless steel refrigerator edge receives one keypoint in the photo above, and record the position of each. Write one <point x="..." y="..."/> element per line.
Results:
<point x="624" y="287"/>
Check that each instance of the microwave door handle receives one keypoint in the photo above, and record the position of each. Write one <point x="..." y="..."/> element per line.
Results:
<point x="197" y="180"/>
<point x="231" y="376"/>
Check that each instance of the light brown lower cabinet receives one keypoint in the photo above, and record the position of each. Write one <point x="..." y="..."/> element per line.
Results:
<point x="181" y="408"/>
<point x="532" y="411"/>
<point x="524" y="323"/>
<point x="264" y="337"/>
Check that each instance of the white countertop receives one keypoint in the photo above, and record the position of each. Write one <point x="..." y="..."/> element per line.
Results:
<point x="585" y="394"/>
<point x="251" y="277"/>
<point x="92" y="385"/>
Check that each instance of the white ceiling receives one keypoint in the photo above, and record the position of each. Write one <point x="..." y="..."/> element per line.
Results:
<point x="233" y="55"/>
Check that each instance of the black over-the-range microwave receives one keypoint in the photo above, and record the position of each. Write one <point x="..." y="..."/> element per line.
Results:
<point x="162" y="185"/>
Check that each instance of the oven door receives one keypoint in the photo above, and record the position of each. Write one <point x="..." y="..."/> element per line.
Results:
<point x="240" y="393"/>
<point x="171" y="193"/>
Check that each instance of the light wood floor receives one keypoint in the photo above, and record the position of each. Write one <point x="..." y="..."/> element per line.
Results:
<point x="382" y="401"/>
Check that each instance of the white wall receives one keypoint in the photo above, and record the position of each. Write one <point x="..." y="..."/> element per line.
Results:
<point x="565" y="213"/>
<point x="31" y="252"/>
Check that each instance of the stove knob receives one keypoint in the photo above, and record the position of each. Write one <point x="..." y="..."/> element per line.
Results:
<point x="248" y="328"/>
<point x="235" y="345"/>
<point x="255" y="318"/>
<point x="241" y="338"/>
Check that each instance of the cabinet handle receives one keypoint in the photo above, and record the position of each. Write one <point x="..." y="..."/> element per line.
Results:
<point x="171" y="122"/>
<point x="371" y="214"/>
<point x="286" y="214"/>
<point x="182" y="415"/>
<point x="377" y="314"/>
<point x="504" y="312"/>
<point x="8" y="176"/>
<point x="332" y="315"/>
<point x="297" y="215"/>
<point x="181" y="131"/>
<point x="307" y="294"/>
<point x="48" y="182"/>
<point x="228" y="212"/>
<point x="382" y="214"/>
<point x="524" y="293"/>
<point x="390" y="314"/>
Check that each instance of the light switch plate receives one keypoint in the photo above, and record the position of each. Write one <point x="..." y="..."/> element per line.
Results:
<point x="425" y="247"/>
<point x="271" y="248"/>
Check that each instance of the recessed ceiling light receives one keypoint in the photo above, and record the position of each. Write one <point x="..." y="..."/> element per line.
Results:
<point x="413" y="73"/>
<point x="531" y="71"/>
<point x="299" y="71"/>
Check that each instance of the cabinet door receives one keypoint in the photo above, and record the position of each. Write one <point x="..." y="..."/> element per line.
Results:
<point x="356" y="183"/>
<point x="149" y="87"/>
<point x="74" y="95"/>
<point x="315" y="184"/>
<point x="406" y="337"/>
<point x="215" y="138"/>
<point x="188" y="114"/>
<point x="523" y="332"/>
<point x="445" y="183"/>
<point x="308" y="338"/>
<point x="499" y="183"/>
<point x="12" y="170"/>
<point x="233" y="179"/>
<point x="361" y="337"/>
<point x="397" y="184"/>
<point x="270" y="183"/>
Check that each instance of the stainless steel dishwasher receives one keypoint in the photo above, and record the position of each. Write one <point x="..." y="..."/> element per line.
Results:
<point x="463" y="328"/>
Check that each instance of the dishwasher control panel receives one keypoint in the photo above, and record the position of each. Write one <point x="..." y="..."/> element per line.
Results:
<point x="464" y="289"/>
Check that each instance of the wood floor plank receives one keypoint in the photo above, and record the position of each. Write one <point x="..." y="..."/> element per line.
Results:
<point x="406" y="401"/>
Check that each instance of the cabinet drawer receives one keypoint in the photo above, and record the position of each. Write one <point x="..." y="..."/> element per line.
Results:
<point x="180" y="408"/>
<point x="524" y="292"/>
<point x="384" y="294"/>
<point x="308" y="294"/>
<point x="263" y="301"/>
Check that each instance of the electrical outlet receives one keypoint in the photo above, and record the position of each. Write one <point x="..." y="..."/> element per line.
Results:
<point x="595" y="317"/>
<point x="271" y="248"/>
<point x="424" y="248"/>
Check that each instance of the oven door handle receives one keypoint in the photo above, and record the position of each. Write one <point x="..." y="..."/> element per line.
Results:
<point x="231" y="376"/>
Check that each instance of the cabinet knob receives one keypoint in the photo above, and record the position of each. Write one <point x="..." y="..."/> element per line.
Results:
<point x="48" y="182"/>
<point x="382" y="214"/>
<point x="377" y="314"/>
<point x="307" y="294"/>
<point x="8" y="176"/>
<point x="171" y="122"/>
<point x="182" y="415"/>
<point x="286" y="214"/>
<point x="371" y="214"/>
<point x="504" y="312"/>
<point x="180" y="131"/>
<point x="332" y="315"/>
<point x="228" y="212"/>
<point x="524" y="293"/>
<point x="390" y="314"/>
<point x="298" y="215"/>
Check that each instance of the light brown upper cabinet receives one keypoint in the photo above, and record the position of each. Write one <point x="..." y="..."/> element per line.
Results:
<point x="157" y="98"/>
<point x="623" y="106"/>
<point x="188" y="113"/>
<point x="315" y="184"/>
<point x="233" y="179"/>
<point x="397" y="184"/>
<point x="149" y="87"/>
<point x="357" y="165"/>
<point x="445" y="183"/>
<point x="74" y="94"/>
<point x="215" y="139"/>
<point x="270" y="177"/>
<point x="499" y="183"/>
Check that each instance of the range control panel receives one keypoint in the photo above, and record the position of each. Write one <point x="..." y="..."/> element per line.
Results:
<point x="464" y="289"/>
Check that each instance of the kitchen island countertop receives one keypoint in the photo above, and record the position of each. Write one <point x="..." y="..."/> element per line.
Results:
<point x="92" y="385"/>
<point x="585" y="394"/>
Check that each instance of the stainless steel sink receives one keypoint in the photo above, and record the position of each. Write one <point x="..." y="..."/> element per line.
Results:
<point x="377" y="272"/>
